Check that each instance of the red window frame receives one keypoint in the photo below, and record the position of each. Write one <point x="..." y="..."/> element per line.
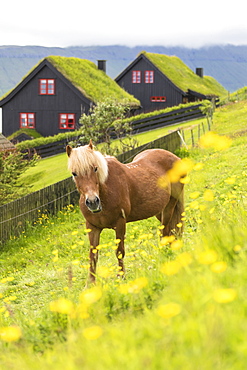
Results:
<point x="47" y="86"/>
<point x="158" y="99"/>
<point x="149" y="77"/>
<point x="67" y="121"/>
<point x="27" y="120"/>
<point x="136" y="77"/>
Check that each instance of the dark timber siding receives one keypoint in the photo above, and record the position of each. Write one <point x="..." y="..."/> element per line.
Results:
<point x="46" y="107"/>
<point x="162" y="86"/>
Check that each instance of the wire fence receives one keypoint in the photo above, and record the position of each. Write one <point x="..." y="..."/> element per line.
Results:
<point x="190" y="136"/>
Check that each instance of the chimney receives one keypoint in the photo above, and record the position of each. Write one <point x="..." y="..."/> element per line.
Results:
<point x="102" y="65"/>
<point x="199" y="72"/>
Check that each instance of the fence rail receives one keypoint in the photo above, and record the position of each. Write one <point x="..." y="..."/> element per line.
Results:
<point x="138" y="126"/>
<point x="48" y="150"/>
<point x="15" y="215"/>
<point x="192" y="134"/>
<point x="169" y="142"/>
<point x="166" y="119"/>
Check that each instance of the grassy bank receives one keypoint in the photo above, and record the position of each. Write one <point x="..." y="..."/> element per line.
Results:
<point x="183" y="303"/>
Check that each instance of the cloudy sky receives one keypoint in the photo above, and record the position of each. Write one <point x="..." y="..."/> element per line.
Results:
<point x="131" y="22"/>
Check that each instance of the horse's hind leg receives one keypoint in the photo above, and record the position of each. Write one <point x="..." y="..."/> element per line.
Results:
<point x="171" y="215"/>
<point x="165" y="217"/>
<point x="120" y="251"/>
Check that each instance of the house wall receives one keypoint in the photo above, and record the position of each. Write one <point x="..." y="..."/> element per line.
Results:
<point x="46" y="107"/>
<point x="162" y="86"/>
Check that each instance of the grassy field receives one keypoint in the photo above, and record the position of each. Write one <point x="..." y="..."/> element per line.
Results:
<point x="183" y="303"/>
<point x="54" y="169"/>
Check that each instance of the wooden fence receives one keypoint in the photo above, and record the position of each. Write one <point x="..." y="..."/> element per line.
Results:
<point x="48" y="150"/>
<point x="166" y="119"/>
<point x="192" y="134"/>
<point x="170" y="142"/>
<point x="15" y="215"/>
<point x="138" y="126"/>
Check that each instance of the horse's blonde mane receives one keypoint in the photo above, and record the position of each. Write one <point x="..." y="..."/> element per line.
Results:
<point x="83" y="158"/>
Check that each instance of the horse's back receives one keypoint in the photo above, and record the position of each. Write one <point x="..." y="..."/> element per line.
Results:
<point x="156" y="157"/>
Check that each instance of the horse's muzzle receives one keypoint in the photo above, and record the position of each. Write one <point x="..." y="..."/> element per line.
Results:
<point x="94" y="205"/>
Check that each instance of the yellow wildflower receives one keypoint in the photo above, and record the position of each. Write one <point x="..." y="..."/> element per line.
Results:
<point x="184" y="259"/>
<point x="90" y="296"/>
<point x="168" y="310"/>
<point x="198" y="166"/>
<point x="167" y="240"/>
<point x="180" y="169"/>
<point x="237" y="248"/>
<point x="218" y="267"/>
<point x="194" y="195"/>
<point x="10" y="333"/>
<point x="171" y="268"/>
<point x="176" y="245"/>
<point x="93" y="332"/>
<point x="208" y="195"/>
<point x="230" y="180"/>
<point x="185" y="180"/>
<point x="194" y="204"/>
<point x="215" y="141"/>
<point x="62" y="305"/>
<point x="75" y="262"/>
<point x="207" y="257"/>
<point x="225" y="295"/>
<point x="104" y="272"/>
<point x="133" y="287"/>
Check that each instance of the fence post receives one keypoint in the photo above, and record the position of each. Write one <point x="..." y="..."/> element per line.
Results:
<point x="182" y="138"/>
<point x="192" y="138"/>
<point x="203" y="128"/>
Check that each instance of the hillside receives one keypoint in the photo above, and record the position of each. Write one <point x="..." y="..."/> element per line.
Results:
<point x="183" y="302"/>
<point x="227" y="64"/>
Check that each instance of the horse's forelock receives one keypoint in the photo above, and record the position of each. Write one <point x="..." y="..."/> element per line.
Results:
<point x="83" y="158"/>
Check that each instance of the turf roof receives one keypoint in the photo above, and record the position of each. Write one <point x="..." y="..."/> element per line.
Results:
<point x="91" y="81"/>
<point x="183" y="77"/>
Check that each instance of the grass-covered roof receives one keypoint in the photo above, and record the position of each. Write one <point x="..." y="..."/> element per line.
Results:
<point x="183" y="77"/>
<point x="92" y="82"/>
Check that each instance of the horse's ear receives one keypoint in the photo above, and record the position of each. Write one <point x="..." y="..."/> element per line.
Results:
<point x="90" y="144"/>
<point x="68" y="150"/>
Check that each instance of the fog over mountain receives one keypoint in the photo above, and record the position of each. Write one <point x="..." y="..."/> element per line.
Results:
<point x="226" y="63"/>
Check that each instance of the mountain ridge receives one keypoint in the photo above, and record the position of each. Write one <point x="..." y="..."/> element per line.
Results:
<point x="226" y="63"/>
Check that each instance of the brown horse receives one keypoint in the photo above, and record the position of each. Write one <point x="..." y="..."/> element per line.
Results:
<point x="112" y="193"/>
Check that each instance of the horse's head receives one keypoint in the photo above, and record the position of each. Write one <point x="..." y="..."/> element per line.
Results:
<point x="89" y="169"/>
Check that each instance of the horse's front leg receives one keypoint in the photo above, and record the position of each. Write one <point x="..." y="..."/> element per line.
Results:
<point x="94" y="237"/>
<point x="120" y="251"/>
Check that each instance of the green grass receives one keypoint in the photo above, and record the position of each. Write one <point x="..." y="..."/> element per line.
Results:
<point x="50" y="170"/>
<point x="28" y="131"/>
<point x="92" y="82"/>
<point x="182" y="305"/>
<point x="183" y="77"/>
<point x="46" y="172"/>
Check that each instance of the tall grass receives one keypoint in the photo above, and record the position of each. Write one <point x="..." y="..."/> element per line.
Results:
<point x="183" y="302"/>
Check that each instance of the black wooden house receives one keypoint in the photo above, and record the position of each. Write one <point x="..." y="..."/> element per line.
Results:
<point x="161" y="81"/>
<point x="54" y="94"/>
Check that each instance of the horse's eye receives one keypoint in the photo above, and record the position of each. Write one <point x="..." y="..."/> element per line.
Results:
<point x="74" y="174"/>
<point x="95" y="169"/>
